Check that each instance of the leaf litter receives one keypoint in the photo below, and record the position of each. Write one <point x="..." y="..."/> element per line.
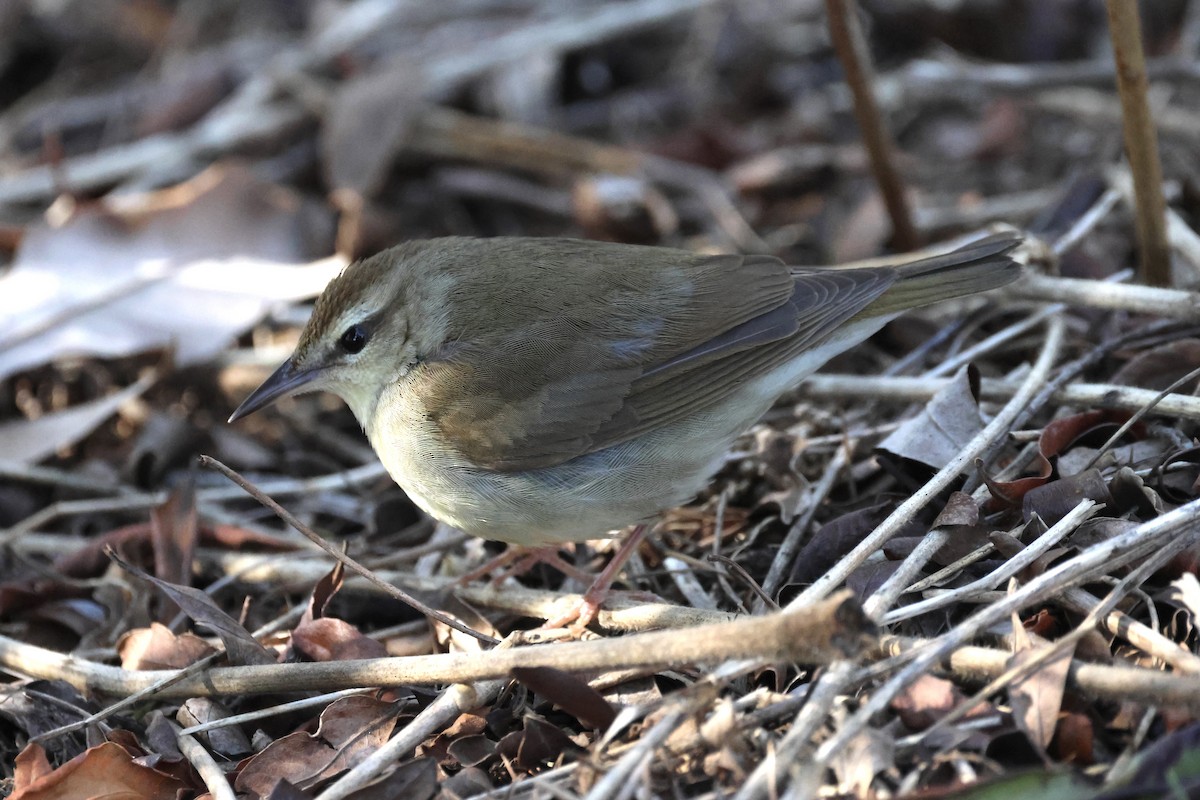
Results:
<point x="144" y="294"/>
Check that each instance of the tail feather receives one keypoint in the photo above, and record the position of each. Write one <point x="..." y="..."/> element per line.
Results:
<point x="973" y="268"/>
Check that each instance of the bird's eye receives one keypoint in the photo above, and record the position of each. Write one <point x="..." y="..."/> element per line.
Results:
<point x="354" y="339"/>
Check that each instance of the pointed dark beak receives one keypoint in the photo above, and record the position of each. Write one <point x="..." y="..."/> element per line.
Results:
<point x="283" y="381"/>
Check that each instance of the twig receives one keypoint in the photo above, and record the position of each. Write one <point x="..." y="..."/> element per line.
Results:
<point x="834" y="628"/>
<point x="822" y="694"/>
<point x="266" y="713"/>
<point x="315" y="538"/>
<point x="210" y="772"/>
<point x="951" y="365"/>
<point x="137" y="501"/>
<point x="1141" y="142"/>
<point x="1179" y="234"/>
<point x="449" y="705"/>
<point x="618" y="614"/>
<point x="921" y="80"/>
<point x="1008" y="208"/>
<point x="950" y="570"/>
<point x="1138" y="415"/>
<point x="851" y="46"/>
<point x="1086" y="222"/>
<point x="1095" y="612"/>
<point x="946" y="475"/>
<point x="52" y="476"/>
<point x="795" y="535"/>
<point x="21" y="656"/>
<point x="1138" y="634"/>
<point x="1008" y="569"/>
<point x="1125" y="548"/>
<point x="582" y="27"/>
<point x="1083" y="395"/>
<point x="252" y="114"/>
<point x="1112" y="683"/>
<point x="620" y="780"/>
<point x="1159" y="302"/>
<point x="683" y="574"/>
<point x="1095" y="107"/>
<point x="447" y="133"/>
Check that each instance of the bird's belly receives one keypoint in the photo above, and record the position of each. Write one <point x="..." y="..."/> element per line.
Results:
<point x="584" y="498"/>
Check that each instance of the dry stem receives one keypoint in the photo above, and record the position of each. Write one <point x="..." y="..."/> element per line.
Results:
<point x="1141" y="142"/>
<point x="819" y="633"/>
<point x="851" y="46"/>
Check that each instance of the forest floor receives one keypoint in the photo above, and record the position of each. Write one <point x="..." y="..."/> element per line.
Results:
<point x="960" y="561"/>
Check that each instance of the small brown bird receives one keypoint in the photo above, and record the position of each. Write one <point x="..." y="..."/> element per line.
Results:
<point x="542" y="391"/>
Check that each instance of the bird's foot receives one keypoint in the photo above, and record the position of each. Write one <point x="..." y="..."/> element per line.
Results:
<point x="584" y="614"/>
<point x="580" y="617"/>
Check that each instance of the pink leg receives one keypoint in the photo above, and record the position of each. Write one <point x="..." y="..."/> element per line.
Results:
<point x="517" y="560"/>
<point x="585" y="613"/>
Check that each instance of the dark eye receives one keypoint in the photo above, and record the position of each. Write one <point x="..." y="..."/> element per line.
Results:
<point x="354" y="339"/>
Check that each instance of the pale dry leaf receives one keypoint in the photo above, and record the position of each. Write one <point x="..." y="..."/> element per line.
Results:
<point x="866" y="755"/>
<point x="191" y="267"/>
<point x="949" y="420"/>
<point x="1037" y="699"/>
<point x="1187" y="591"/>
<point x="28" y="441"/>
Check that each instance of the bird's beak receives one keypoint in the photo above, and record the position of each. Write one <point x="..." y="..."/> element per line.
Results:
<point x="283" y="381"/>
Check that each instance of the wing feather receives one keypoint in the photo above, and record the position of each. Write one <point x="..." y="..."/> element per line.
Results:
<point x="586" y="351"/>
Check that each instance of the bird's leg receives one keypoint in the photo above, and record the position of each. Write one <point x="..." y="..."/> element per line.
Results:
<point x="585" y="613"/>
<point x="517" y="560"/>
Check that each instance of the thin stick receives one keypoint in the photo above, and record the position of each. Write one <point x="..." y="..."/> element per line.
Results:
<point x="266" y="713"/>
<point x="920" y="389"/>
<point x="1141" y="141"/>
<point x="621" y="780"/>
<point x="998" y="427"/>
<point x="312" y="536"/>
<point x="1100" y="558"/>
<point x="799" y="741"/>
<point x="205" y="765"/>
<point x="1008" y="569"/>
<point x="851" y="47"/>
<point x="1138" y="634"/>
<point x="1137" y="416"/>
<point x="1160" y="302"/>
<point x="13" y="657"/>
<point x="791" y="543"/>
<point x="1097" y="611"/>
<point x="435" y="717"/>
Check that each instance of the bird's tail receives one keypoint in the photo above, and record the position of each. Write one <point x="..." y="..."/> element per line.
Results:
<point x="973" y="268"/>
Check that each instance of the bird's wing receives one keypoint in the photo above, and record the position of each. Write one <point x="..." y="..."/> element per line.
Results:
<point x="638" y="351"/>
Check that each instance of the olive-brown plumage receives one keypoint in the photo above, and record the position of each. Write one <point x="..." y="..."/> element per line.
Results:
<point x="550" y="390"/>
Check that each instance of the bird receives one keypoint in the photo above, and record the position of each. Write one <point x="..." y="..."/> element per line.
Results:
<point x="541" y="391"/>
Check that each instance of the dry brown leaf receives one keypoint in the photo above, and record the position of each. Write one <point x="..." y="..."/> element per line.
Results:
<point x="240" y="646"/>
<point x="351" y="728"/>
<point x="1037" y="699"/>
<point x="329" y="639"/>
<point x="570" y="693"/>
<point x="158" y="647"/>
<point x="106" y="771"/>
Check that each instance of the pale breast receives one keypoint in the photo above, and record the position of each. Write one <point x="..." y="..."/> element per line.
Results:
<point x="584" y="498"/>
